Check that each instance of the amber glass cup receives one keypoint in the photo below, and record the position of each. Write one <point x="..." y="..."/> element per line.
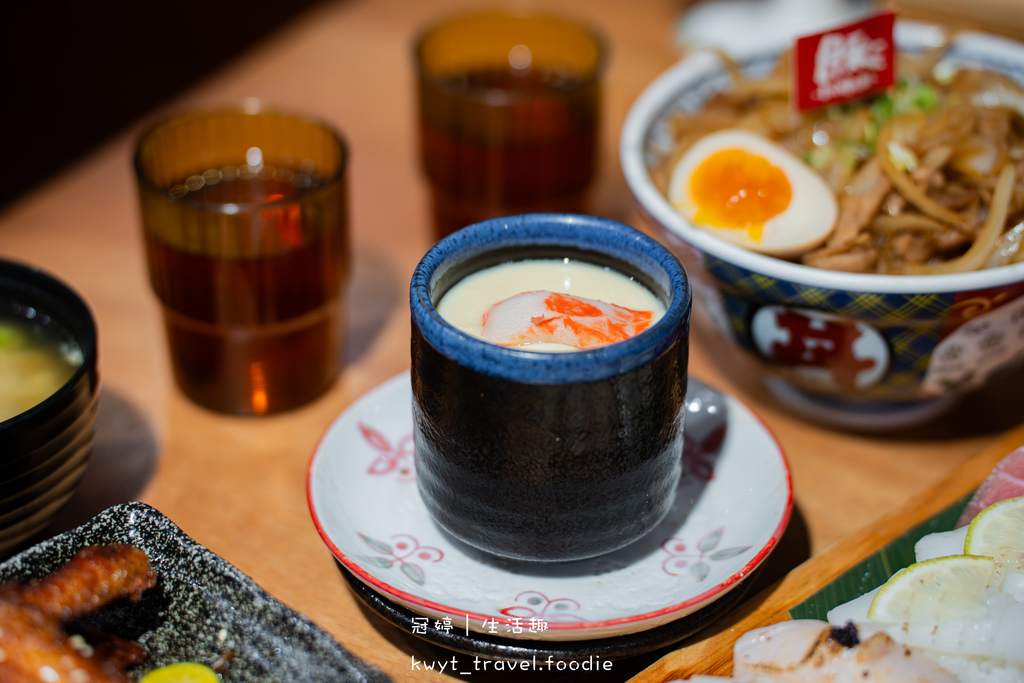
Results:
<point x="508" y="115"/>
<point x="244" y="213"/>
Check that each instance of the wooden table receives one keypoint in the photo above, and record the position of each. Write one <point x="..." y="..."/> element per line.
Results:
<point x="237" y="485"/>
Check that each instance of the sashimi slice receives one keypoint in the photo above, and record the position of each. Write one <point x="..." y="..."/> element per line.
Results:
<point x="1005" y="481"/>
<point x="813" y="651"/>
<point x="551" y="317"/>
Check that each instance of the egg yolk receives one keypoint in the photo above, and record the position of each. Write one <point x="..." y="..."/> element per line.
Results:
<point x="738" y="190"/>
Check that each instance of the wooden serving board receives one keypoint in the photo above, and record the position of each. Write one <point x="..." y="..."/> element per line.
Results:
<point x="713" y="653"/>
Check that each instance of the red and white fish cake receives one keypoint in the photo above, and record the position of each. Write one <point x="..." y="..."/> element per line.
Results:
<point x="553" y="317"/>
<point x="550" y="305"/>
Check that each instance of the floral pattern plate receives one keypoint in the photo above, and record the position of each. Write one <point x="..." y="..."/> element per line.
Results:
<point x="732" y="505"/>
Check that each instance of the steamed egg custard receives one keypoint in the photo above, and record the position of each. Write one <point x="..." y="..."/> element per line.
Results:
<point x="550" y="305"/>
<point x="749" y="190"/>
<point x="34" y="364"/>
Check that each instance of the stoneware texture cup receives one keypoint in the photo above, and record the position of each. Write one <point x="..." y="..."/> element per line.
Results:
<point x="548" y="456"/>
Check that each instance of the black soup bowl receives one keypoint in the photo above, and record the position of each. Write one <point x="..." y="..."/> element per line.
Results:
<point x="548" y="457"/>
<point x="44" y="450"/>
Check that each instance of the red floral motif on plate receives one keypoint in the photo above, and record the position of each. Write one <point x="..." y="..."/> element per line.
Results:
<point x="390" y="458"/>
<point x="536" y="605"/>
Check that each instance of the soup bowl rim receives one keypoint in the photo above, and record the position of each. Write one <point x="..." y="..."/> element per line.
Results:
<point x="29" y="278"/>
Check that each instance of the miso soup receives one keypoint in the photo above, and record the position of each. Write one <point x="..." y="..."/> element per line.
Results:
<point x="34" y="363"/>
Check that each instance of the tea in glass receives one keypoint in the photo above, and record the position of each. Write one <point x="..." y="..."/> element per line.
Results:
<point x="508" y="115"/>
<point x="245" y="222"/>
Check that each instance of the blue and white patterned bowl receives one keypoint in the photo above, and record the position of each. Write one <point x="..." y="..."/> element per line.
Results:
<point x="854" y="350"/>
<point x="548" y="456"/>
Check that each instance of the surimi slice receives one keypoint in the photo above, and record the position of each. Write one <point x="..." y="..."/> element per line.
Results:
<point x="552" y="317"/>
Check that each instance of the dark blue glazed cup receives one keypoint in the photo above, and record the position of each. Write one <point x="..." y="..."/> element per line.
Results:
<point x="548" y="457"/>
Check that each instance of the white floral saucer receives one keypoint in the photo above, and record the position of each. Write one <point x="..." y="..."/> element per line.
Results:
<point x="733" y="503"/>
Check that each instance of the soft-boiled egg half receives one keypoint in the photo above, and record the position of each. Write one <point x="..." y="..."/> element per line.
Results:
<point x="749" y="190"/>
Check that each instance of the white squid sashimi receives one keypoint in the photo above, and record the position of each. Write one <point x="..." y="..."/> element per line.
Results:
<point x="813" y="651"/>
<point x="941" y="544"/>
<point x="997" y="635"/>
<point x="552" y="317"/>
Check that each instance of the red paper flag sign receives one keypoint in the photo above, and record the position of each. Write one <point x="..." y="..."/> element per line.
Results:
<point x="844" y="63"/>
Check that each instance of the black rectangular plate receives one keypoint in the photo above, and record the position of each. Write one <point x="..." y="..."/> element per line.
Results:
<point x="200" y="607"/>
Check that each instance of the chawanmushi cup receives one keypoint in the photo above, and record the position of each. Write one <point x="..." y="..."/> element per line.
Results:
<point x="548" y="457"/>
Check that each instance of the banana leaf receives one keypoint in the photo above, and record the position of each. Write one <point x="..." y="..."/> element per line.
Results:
<point x="875" y="570"/>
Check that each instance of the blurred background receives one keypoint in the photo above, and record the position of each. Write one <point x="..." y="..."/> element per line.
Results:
<point x="113" y="62"/>
<point x="110" y="63"/>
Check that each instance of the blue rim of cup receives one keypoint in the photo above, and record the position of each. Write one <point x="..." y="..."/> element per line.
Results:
<point x="578" y="235"/>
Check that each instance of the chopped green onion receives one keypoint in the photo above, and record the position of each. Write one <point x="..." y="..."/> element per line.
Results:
<point x="11" y="337"/>
<point x="902" y="158"/>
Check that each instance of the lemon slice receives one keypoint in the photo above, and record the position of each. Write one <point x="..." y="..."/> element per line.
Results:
<point x="935" y="591"/>
<point x="183" y="672"/>
<point x="998" y="532"/>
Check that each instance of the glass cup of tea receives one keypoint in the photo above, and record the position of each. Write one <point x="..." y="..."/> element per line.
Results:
<point x="244" y="213"/>
<point x="509" y="110"/>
